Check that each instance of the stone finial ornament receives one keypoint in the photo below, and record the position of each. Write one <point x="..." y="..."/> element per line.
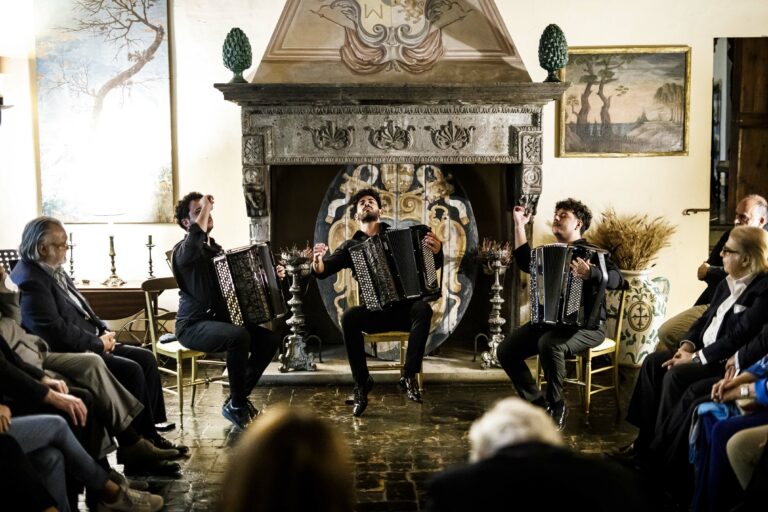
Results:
<point x="553" y="51"/>
<point x="237" y="54"/>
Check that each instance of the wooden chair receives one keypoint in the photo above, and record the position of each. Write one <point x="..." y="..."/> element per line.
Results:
<point x="157" y="320"/>
<point x="584" y="367"/>
<point x="400" y="337"/>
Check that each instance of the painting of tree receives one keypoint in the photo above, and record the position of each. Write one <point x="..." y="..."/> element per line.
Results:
<point x="104" y="109"/>
<point x="625" y="101"/>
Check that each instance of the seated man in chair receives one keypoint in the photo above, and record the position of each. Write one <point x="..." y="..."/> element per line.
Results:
<point x="53" y="309"/>
<point x="412" y="315"/>
<point x="554" y="343"/>
<point x="202" y="322"/>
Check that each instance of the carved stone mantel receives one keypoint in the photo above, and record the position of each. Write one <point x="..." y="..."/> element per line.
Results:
<point x="313" y="124"/>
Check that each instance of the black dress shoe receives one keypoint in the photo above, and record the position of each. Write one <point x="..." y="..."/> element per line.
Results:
<point x="559" y="413"/>
<point x="410" y="387"/>
<point x="166" y="444"/>
<point x="164" y="468"/>
<point x="360" y="398"/>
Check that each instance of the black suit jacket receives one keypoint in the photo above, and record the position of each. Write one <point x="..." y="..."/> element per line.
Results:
<point x="49" y="312"/>
<point x="737" y="328"/>
<point x="19" y="381"/>
<point x="554" y="478"/>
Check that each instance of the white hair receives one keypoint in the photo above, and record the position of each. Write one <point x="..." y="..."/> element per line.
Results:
<point x="510" y="421"/>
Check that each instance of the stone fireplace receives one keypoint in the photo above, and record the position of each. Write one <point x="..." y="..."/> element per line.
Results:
<point x="347" y="82"/>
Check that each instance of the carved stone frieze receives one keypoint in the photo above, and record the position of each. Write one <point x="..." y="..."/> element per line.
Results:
<point x="330" y="136"/>
<point x="391" y="136"/>
<point x="253" y="150"/>
<point x="392" y="110"/>
<point x="532" y="177"/>
<point x="256" y="190"/>
<point x="450" y="136"/>
<point x="532" y="148"/>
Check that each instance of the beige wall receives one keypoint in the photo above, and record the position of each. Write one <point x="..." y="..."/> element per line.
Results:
<point x="207" y="135"/>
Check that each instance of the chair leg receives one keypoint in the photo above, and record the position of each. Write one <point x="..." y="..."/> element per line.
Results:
<point x="193" y="373"/>
<point x="616" y="386"/>
<point x="587" y="386"/>
<point x="180" y="382"/>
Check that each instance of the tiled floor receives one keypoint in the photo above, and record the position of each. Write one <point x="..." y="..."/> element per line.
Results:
<point x="397" y="444"/>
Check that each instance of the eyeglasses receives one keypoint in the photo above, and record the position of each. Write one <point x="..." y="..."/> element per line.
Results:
<point x="743" y="218"/>
<point x="61" y="247"/>
<point x="728" y="250"/>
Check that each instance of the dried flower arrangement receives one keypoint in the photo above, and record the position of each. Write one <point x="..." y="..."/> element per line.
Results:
<point x="633" y="240"/>
<point x="492" y="250"/>
<point x="295" y="256"/>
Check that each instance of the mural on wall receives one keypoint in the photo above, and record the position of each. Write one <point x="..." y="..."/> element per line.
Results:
<point x="410" y="195"/>
<point x="392" y="35"/>
<point x="104" y="110"/>
<point x="629" y="101"/>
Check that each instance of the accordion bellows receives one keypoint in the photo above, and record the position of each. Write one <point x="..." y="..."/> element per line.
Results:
<point x="557" y="296"/>
<point x="250" y="285"/>
<point x="395" y="266"/>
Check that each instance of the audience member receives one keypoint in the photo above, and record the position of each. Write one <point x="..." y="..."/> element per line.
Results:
<point x="116" y="408"/>
<point x="735" y="316"/>
<point x="748" y="456"/>
<point x="20" y="485"/>
<point x="52" y="308"/>
<point x="516" y="449"/>
<point x="290" y="460"/>
<point x="751" y="211"/>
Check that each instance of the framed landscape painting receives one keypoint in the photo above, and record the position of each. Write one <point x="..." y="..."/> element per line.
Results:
<point x="625" y="101"/>
<point x="104" y="110"/>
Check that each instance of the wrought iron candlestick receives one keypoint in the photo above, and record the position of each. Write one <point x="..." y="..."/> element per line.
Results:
<point x="295" y="356"/>
<point x="113" y="280"/>
<point x="71" y="247"/>
<point x="497" y="258"/>
<point x="149" y="246"/>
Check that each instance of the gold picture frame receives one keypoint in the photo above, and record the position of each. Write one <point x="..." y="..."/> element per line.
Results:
<point x="637" y="102"/>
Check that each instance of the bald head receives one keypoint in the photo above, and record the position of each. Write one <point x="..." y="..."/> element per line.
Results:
<point x="751" y="211"/>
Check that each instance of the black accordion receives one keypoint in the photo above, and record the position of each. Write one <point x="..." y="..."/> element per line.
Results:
<point x="557" y="296"/>
<point x="250" y="285"/>
<point x="394" y="266"/>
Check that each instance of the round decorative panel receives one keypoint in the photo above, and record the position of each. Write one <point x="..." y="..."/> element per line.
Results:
<point x="410" y="195"/>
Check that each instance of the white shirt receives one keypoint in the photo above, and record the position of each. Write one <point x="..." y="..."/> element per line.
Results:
<point x="737" y="287"/>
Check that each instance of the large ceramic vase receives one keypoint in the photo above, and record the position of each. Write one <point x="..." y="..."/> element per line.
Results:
<point x="644" y="311"/>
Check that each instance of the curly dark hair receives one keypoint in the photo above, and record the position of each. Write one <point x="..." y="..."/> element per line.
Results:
<point x="352" y="204"/>
<point x="579" y="209"/>
<point x="182" y="207"/>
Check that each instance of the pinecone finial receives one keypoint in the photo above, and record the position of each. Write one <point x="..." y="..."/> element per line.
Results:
<point x="237" y="54"/>
<point x="553" y="51"/>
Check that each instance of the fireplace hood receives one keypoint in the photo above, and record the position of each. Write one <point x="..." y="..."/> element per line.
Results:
<point x="389" y="81"/>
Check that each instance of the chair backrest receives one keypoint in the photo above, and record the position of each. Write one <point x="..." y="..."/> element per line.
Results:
<point x="618" y="316"/>
<point x="9" y="258"/>
<point x="152" y="289"/>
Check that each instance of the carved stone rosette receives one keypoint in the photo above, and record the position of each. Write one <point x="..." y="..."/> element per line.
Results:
<point x="450" y="136"/>
<point x="391" y="136"/>
<point x="330" y="136"/>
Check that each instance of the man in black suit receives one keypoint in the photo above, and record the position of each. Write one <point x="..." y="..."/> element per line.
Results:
<point x="751" y="211"/>
<point x="516" y="450"/>
<point x="52" y="308"/>
<point x="734" y="317"/>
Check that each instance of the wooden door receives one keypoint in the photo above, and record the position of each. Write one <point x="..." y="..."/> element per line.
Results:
<point x="749" y="144"/>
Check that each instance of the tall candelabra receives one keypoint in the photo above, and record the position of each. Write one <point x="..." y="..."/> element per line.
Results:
<point x="496" y="258"/>
<point x="295" y="356"/>
<point x="113" y="280"/>
<point x="149" y="246"/>
<point x="71" y="247"/>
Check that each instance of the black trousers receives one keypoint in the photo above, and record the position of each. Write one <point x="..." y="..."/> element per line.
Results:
<point x="553" y="345"/>
<point x="249" y="350"/>
<point x="136" y="369"/>
<point x="659" y="392"/>
<point x="412" y="316"/>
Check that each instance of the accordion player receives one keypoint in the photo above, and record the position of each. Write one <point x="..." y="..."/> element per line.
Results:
<point x="393" y="266"/>
<point x="557" y="296"/>
<point x="250" y="285"/>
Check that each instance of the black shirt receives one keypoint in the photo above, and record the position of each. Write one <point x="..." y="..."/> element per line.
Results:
<point x="200" y="296"/>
